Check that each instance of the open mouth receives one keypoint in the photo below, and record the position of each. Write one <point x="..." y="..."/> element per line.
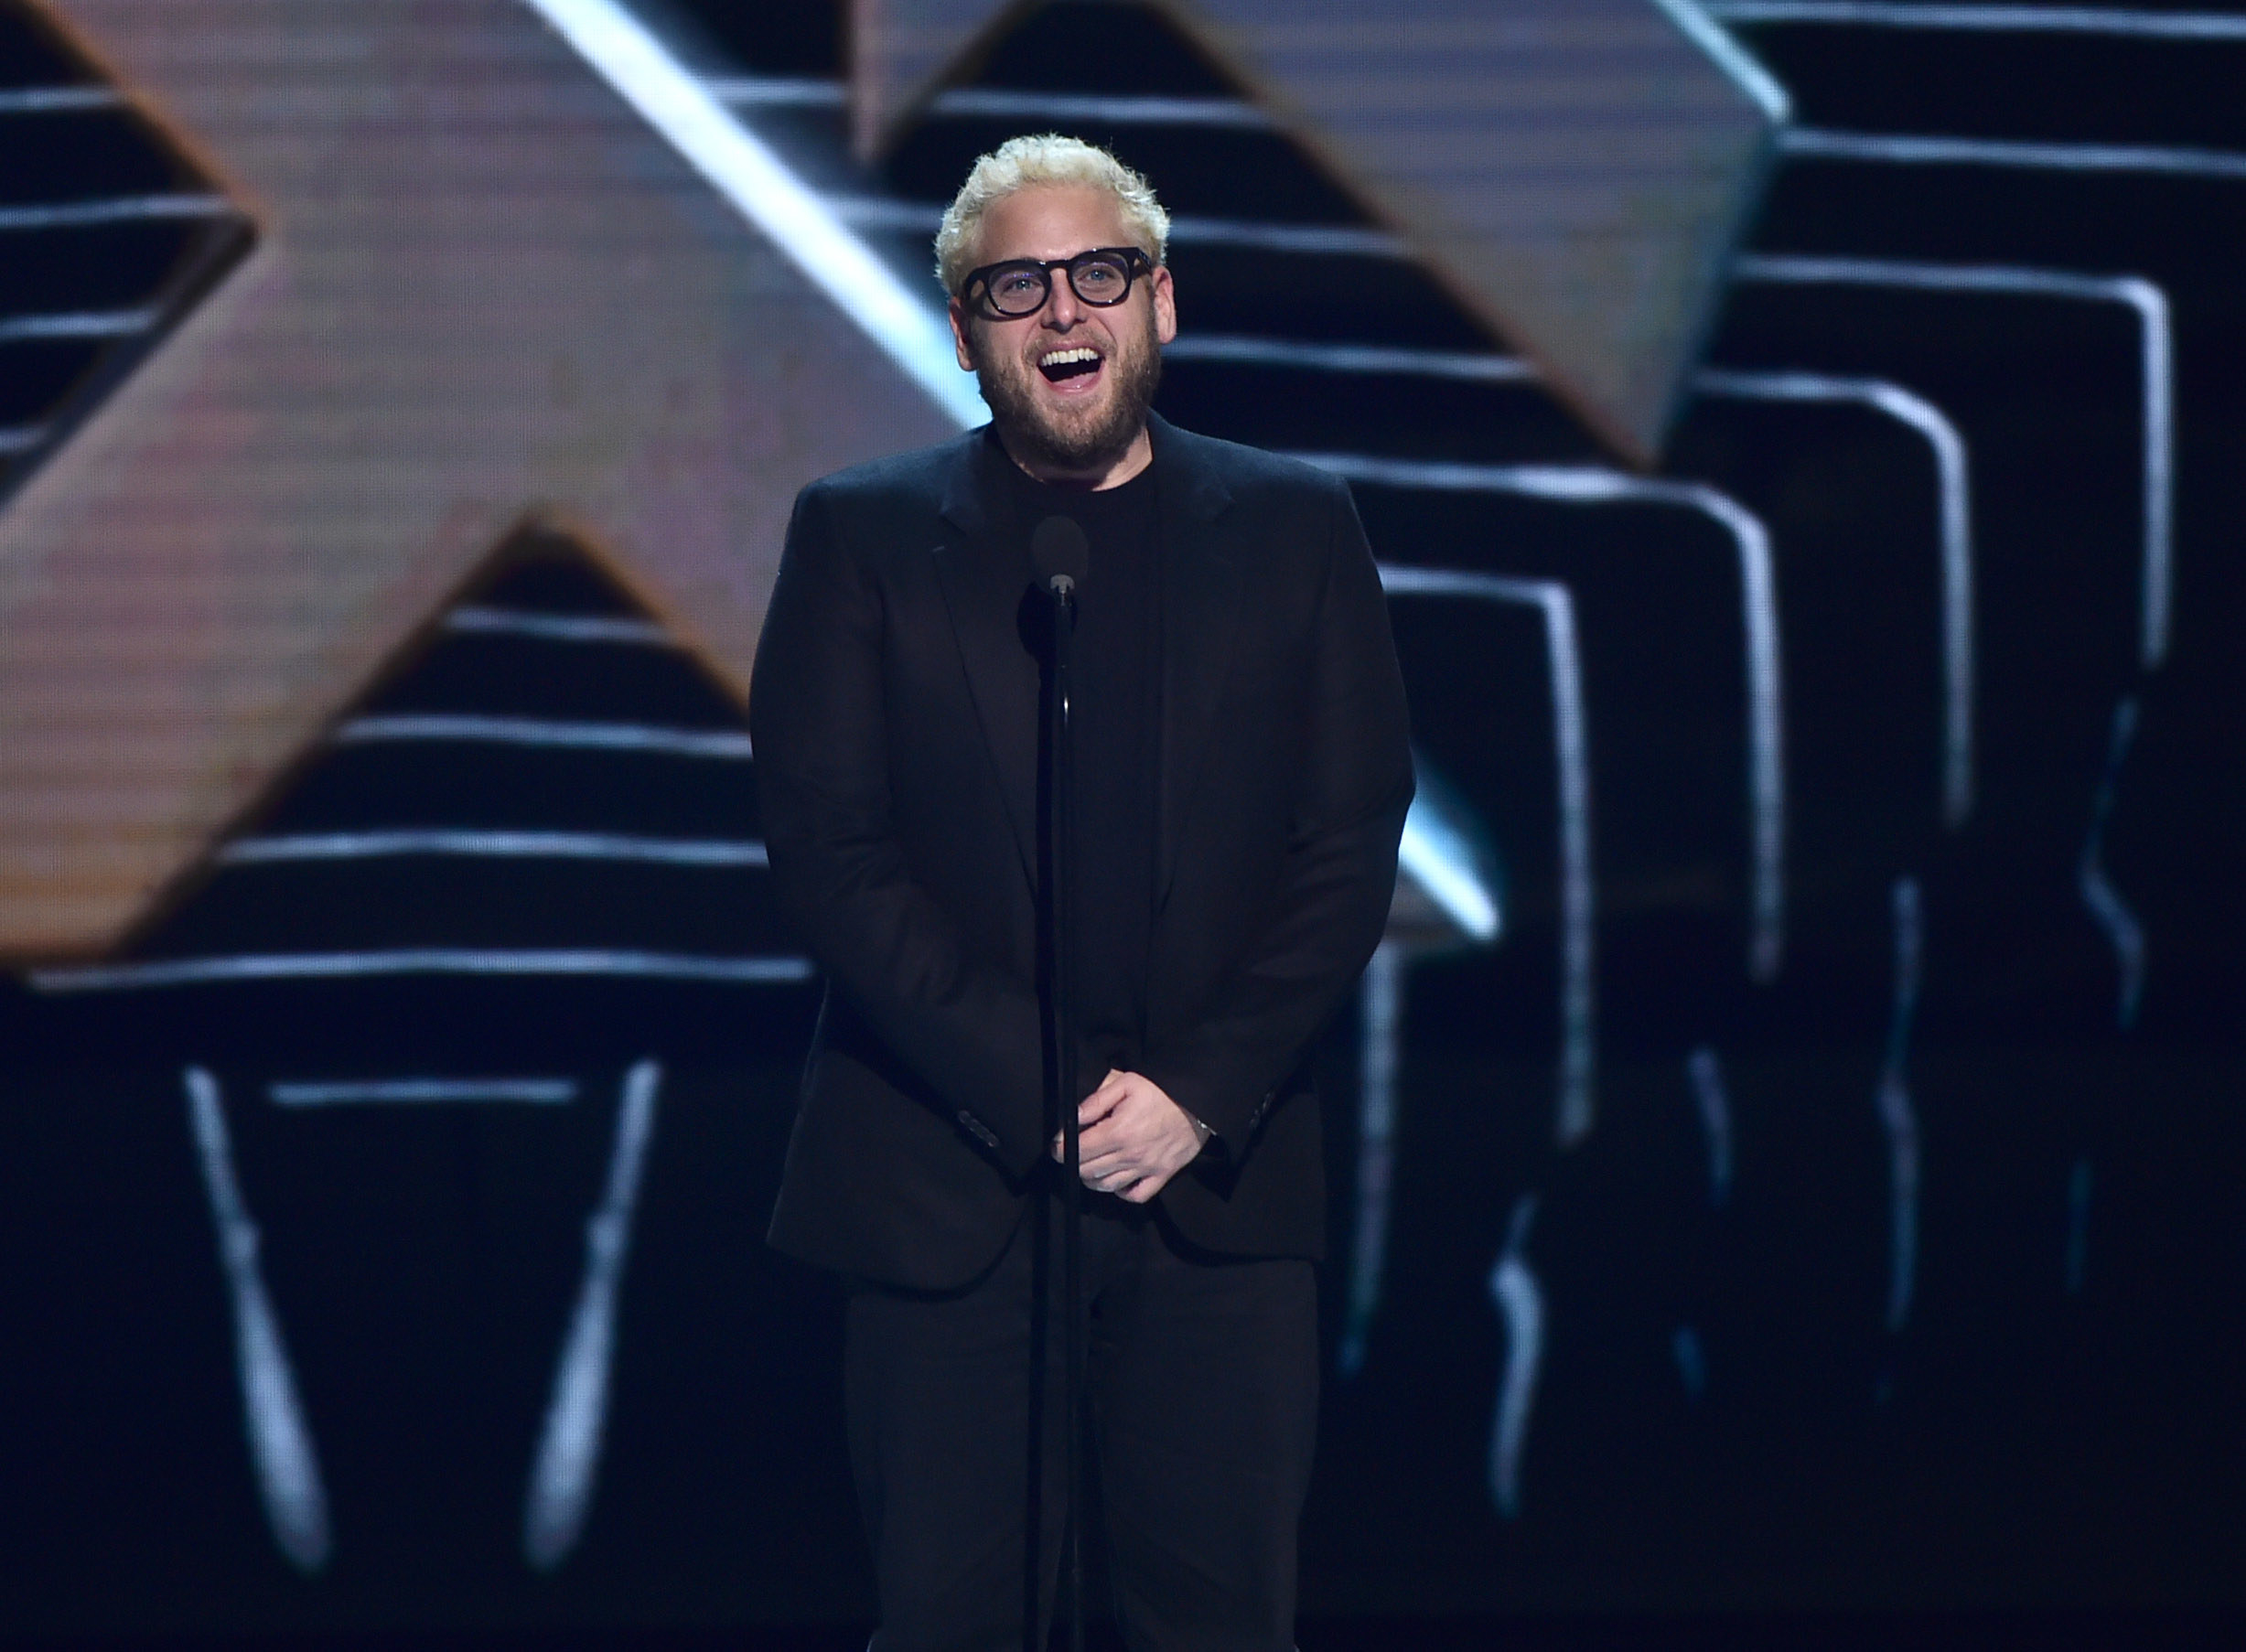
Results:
<point x="1061" y="366"/>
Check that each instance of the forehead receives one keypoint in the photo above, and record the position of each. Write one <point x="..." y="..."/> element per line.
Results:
<point x="1051" y="221"/>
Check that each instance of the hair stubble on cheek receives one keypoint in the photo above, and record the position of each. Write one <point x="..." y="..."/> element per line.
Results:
<point x="1003" y="375"/>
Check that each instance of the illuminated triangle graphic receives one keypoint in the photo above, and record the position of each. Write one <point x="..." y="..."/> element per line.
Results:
<point x="1575" y="173"/>
<point x="502" y="269"/>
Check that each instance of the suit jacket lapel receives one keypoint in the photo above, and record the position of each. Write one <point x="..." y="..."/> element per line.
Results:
<point x="1200" y="591"/>
<point x="984" y="570"/>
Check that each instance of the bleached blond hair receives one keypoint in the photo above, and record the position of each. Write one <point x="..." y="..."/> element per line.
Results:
<point x="1021" y="162"/>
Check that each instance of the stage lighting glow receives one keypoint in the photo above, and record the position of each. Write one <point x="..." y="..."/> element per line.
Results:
<point x="1435" y="851"/>
<point x="746" y="171"/>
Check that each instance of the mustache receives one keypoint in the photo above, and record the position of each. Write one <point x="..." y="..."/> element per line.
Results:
<point x="1028" y="428"/>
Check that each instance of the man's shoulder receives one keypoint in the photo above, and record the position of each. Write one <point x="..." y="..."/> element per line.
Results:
<point x="914" y="478"/>
<point x="1244" y="468"/>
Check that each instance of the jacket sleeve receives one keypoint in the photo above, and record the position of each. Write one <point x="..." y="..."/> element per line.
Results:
<point x="1340" y="870"/>
<point x="970" y="1033"/>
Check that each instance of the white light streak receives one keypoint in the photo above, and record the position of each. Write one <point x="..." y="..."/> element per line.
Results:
<point x="1440" y="861"/>
<point x="1060" y="108"/>
<point x="1382" y="1003"/>
<point x="563" y="1474"/>
<point x="557" y="627"/>
<point x="1954" y="530"/>
<point x="78" y="214"/>
<point x="1896" y="1115"/>
<point x="1910" y="150"/>
<point x="281" y="1451"/>
<point x="2124" y="931"/>
<point x="2146" y="299"/>
<point x="1693" y="19"/>
<point x="1520" y="1306"/>
<point x="1706" y="1072"/>
<point x="83" y="324"/>
<point x="1591" y="484"/>
<point x="1471" y="366"/>
<point x="909" y="328"/>
<point x="770" y="971"/>
<point x="58" y="99"/>
<point x="527" y="845"/>
<point x="882" y="212"/>
<point x="1985" y="19"/>
<point x="354" y="1092"/>
<point x="21" y="438"/>
<point x="1571" y="743"/>
<point x="777" y="91"/>
<point x="729" y="744"/>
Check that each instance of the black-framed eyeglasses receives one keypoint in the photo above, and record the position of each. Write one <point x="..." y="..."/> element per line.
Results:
<point x="1019" y="286"/>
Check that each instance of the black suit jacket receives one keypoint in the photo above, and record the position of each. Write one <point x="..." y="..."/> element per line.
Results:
<point x="895" y="712"/>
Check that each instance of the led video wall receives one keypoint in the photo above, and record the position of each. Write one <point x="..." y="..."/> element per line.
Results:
<point x="1786" y="1153"/>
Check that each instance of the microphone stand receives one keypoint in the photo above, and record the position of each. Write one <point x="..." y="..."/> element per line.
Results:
<point x="1060" y="826"/>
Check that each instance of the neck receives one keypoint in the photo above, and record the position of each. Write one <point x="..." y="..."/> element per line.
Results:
<point x="1094" y="477"/>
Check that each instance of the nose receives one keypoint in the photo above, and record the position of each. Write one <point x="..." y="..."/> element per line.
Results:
<point x="1062" y="310"/>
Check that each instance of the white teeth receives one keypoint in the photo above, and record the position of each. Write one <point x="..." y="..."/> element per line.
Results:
<point x="1062" y="357"/>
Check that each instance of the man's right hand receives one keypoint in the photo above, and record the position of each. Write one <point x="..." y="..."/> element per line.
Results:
<point x="1133" y="1138"/>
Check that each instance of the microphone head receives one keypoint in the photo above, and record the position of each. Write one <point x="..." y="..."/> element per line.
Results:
<point x="1060" y="554"/>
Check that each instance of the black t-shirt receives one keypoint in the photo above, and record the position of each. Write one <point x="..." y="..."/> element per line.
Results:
<point x="1116" y="717"/>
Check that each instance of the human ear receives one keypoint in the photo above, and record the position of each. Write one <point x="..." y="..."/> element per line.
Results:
<point x="962" y="337"/>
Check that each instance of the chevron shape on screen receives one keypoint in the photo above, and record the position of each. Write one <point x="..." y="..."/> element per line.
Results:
<point x="1576" y="173"/>
<point x="499" y="274"/>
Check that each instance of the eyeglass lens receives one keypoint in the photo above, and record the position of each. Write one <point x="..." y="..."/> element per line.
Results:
<point x="1096" y="278"/>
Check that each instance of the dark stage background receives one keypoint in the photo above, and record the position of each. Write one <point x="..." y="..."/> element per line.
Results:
<point x="1817" y="1201"/>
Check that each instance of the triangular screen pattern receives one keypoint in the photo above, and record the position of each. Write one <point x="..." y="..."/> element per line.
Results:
<point x="109" y="235"/>
<point x="544" y="788"/>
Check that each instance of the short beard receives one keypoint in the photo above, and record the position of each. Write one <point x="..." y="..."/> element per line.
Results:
<point x="1029" y="437"/>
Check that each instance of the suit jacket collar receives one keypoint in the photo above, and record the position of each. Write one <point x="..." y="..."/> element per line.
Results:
<point x="984" y="569"/>
<point x="977" y="497"/>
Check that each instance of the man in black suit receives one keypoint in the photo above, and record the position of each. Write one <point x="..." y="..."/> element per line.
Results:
<point x="1241" y="779"/>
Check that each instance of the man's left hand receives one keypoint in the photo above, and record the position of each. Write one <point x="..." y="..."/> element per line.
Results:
<point x="1133" y="1138"/>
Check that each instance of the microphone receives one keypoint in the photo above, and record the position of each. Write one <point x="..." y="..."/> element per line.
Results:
<point x="1060" y="554"/>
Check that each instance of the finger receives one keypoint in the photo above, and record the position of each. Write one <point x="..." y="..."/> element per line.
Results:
<point x="1146" y="1188"/>
<point x="1103" y="1159"/>
<point x="1110" y="1171"/>
<point x="1094" y="1133"/>
<point x="1114" y="1088"/>
<point x="1105" y="1136"/>
<point x="1108" y="1142"/>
